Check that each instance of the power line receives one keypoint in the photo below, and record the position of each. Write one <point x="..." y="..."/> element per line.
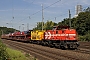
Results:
<point x="59" y="16"/>
<point x="46" y="7"/>
<point x="40" y="10"/>
<point x="12" y="14"/>
<point x="13" y="10"/>
<point x="52" y="4"/>
<point x="43" y="9"/>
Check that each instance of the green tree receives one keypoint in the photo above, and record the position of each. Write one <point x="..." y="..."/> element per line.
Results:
<point x="49" y="25"/>
<point x="82" y="23"/>
<point x="6" y="30"/>
<point x="87" y="9"/>
<point x="46" y="26"/>
<point x="39" y="26"/>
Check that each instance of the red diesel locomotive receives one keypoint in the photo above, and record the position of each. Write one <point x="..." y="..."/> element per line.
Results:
<point x="62" y="36"/>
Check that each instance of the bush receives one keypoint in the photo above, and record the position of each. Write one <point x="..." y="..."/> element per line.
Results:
<point x="81" y="38"/>
<point x="3" y="53"/>
<point x="85" y="37"/>
<point x="15" y="54"/>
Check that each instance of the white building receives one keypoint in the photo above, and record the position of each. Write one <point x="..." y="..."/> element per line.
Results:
<point x="78" y="9"/>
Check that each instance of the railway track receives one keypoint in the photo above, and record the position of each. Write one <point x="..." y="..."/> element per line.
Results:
<point x="85" y="45"/>
<point x="46" y="53"/>
<point x="83" y="50"/>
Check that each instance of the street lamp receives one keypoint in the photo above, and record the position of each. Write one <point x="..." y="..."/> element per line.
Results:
<point x="19" y="27"/>
<point x="23" y="27"/>
<point x="7" y="24"/>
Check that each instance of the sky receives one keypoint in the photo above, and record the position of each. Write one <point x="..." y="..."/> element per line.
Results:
<point x="19" y="14"/>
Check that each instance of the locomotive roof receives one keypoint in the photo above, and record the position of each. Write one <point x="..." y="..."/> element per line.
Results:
<point x="61" y="26"/>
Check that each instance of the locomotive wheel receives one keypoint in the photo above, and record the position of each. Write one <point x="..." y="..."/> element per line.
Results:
<point x="68" y="46"/>
<point x="65" y="46"/>
<point x="51" y="45"/>
<point x="75" y="46"/>
<point x="38" y="42"/>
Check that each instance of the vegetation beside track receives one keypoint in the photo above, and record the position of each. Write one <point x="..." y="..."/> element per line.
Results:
<point x="11" y="54"/>
<point x="18" y="55"/>
<point x="15" y="55"/>
<point x="3" y="54"/>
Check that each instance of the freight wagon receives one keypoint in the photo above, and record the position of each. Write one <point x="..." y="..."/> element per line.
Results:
<point x="59" y="36"/>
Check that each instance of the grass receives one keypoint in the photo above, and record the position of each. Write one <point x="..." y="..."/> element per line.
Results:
<point x="15" y="55"/>
<point x="18" y="55"/>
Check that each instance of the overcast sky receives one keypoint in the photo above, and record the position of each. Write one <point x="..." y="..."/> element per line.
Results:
<point x="14" y="13"/>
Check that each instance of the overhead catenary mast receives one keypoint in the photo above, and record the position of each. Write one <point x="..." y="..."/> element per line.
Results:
<point x="42" y="17"/>
<point x="69" y="18"/>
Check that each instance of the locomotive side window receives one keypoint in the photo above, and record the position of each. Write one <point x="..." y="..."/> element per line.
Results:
<point x="62" y="31"/>
<point x="54" y="28"/>
<point x="58" y="28"/>
<point x="56" y="32"/>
